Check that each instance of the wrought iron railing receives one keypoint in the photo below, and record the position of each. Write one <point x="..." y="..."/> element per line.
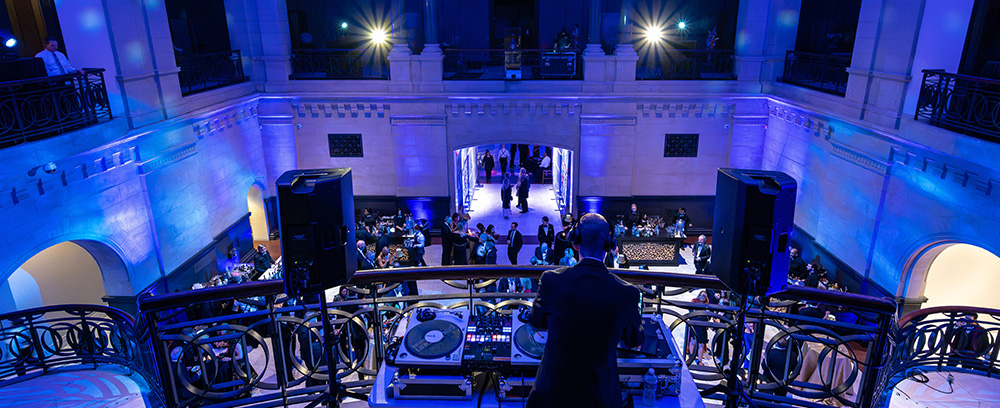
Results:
<point x="250" y="343"/>
<point x="43" y="107"/>
<point x="960" y="103"/>
<point x="487" y="64"/>
<point x="827" y="73"/>
<point x="944" y="339"/>
<point x="205" y="71"/>
<point x="686" y="64"/>
<point x="37" y="341"/>
<point x="331" y="63"/>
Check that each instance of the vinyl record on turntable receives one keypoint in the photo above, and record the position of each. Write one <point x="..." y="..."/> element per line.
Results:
<point x="530" y="340"/>
<point x="433" y="339"/>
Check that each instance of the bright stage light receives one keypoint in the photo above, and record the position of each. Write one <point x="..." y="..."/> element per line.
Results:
<point x="654" y="34"/>
<point x="379" y="36"/>
<point x="682" y="25"/>
<point x="343" y="25"/>
<point x="10" y="43"/>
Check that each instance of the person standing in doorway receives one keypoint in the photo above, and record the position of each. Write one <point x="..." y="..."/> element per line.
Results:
<point x="488" y="164"/>
<point x="503" y="157"/>
<point x="514" y="243"/>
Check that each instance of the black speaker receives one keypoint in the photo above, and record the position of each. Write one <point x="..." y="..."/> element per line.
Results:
<point x="316" y="223"/>
<point x="754" y="210"/>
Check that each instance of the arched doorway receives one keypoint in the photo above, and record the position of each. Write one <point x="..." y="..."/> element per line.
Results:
<point x="258" y="213"/>
<point x="68" y="272"/>
<point x="952" y="274"/>
<point x="549" y="170"/>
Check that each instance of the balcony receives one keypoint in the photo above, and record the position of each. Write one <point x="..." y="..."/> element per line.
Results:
<point x="39" y="108"/>
<point x="960" y="103"/>
<point x="205" y="71"/>
<point x="824" y="73"/>
<point x="331" y="63"/>
<point x="687" y="64"/>
<point x="498" y="65"/>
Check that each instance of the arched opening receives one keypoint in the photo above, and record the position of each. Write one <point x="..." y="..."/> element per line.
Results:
<point x="479" y="176"/>
<point x="69" y="272"/>
<point x="962" y="275"/>
<point x="258" y="213"/>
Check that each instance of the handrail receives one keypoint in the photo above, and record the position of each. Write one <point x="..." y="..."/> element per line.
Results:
<point x="52" y="78"/>
<point x="63" y="307"/>
<point x="43" y="107"/>
<point x="960" y="103"/>
<point x="972" y="78"/>
<point x="917" y="315"/>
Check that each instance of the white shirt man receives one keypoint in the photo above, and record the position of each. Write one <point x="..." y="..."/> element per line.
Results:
<point x="546" y="161"/>
<point x="56" y="62"/>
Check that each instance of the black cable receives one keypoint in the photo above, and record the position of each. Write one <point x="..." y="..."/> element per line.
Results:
<point x="482" y="391"/>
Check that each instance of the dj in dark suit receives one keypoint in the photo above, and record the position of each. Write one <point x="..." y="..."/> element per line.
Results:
<point x="587" y="312"/>
<point x="702" y="253"/>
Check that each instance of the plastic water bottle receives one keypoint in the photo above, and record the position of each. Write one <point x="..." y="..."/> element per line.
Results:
<point x="649" y="388"/>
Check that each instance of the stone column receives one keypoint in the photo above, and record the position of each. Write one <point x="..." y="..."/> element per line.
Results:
<point x="594" y="28"/>
<point x="277" y="133"/>
<point x="598" y="69"/>
<point x="625" y="55"/>
<point x="399" y="55"/>
<point x="767" y="29"/>
<point x="430" y="62"/>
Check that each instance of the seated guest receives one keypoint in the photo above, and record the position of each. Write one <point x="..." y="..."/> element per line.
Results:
<point x="384" y="259"/>
<point x="262" y="260"/>
<point x="682" y="218"/>
<point x="55" y="61"/>
<point x="568" y="259"/>
<point x="543" y="255"/>
<point x="796" y="266"/>
<point x="363" y="262"/>
<point x="780" y="363"/>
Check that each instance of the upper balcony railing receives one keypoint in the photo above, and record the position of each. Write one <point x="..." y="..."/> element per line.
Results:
<point x="38" y="108"/>
<point x="519" y="64"/>
<point x="39" y="341"/>
<point x="329" y="63"/>
<point x="250" y="343"/>
<point x="687" y="64"/>
<point x="960" y="103"/>
<point x="822" y="72"/>
<point x="205" y="71"/>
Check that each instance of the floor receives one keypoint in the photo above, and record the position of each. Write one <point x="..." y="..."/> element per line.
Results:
<point x="486" y="208"/>
<point x="110" y="387"/>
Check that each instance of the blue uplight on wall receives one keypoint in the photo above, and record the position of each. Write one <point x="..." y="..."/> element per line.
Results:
<point x="591" y="204"/>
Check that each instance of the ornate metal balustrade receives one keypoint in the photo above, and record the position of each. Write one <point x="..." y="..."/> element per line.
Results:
<point x="498" y="65"/>
<point x="687" y="64"/>
<point x="960" y="103"/>
<point x="944" y="339"/>
<point x="244" y="344"/>
<point x="37" y="341"/>
<point x="827" y="73"/>
<point x="340" y="64"/>
<point x="43" y="107"/>
<point x="205" y="71"/>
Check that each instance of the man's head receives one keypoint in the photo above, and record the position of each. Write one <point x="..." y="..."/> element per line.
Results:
<point x="544" y="246"/>
<point x="701" y="239"/>
<point x="545" y="220"/>
<point x="794" y="252"/>
<point x="50" y="44"/>
<point x="681" y="211"/>
<point x="635" y="207"/>
<point x="261" y="248"/>
<point x="594" y="230"/>
<point x="513" y="225"/>
<point x="361" y="245"/>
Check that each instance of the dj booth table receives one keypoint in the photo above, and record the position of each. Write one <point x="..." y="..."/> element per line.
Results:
<point x="653" y="251"/>
<point x="689" y="397"/>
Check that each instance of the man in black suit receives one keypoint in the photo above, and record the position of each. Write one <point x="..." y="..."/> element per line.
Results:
<point x="523" y="186"/>
<point x="582" y="370"/>
<point x="543" y="254"/>
<point x="546" y="232"/>
<point x="780" y="362"/>
<point x="702" y="253"/>
<point x="812" y="310"/>
<point x="796" y="266"/>
<point x="514" y="243"/>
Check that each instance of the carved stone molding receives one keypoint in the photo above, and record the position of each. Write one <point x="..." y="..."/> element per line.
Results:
<point x="512" y="108"/>
<point x="167" y="158"/>
<point x="948" y="170"/>
<point x="750" y="120"/>
<point x="684" y="110"/>
<point x="224" y="120"/>
<point x="275" y="120"/>
<point x="607" y="120"/>
<point x="861" y="159"/>
<point x="37" y="183"/>
<point x="340" y="110"/>
<point x="417" y="120"/>
<point x="816" y="125"/>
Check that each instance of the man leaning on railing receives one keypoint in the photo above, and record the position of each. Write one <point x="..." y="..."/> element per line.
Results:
<point x="56" y="62"/>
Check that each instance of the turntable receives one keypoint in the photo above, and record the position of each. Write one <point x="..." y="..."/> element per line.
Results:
<point x="529" y="342"/>
<point x="433" y="338"/>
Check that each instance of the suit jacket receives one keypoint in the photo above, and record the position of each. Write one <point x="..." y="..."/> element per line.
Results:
<point x="582" y="370"/>
<point x="705" y="254"/>
<point x="548" y="255"/>
<point x="549" y="236"/>
<point x="515" y="240"/>
<point x="797" y="267"/>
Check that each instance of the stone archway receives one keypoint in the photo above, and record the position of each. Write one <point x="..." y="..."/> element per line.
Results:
<point x="950" y="272"/>
<point x="258" y="213"/>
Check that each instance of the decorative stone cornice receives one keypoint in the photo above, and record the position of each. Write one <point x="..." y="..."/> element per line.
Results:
<point x="38" y="183"/>
<point x="684" y="110"/>
<point x="607" y="120"/>
<point x="861" y="159"/>
<point x="417" y="120"/>
<point x="750" y="120"/>
<point x="167" y="158"/>
<point x="223" y="120"/>
<point x="818" y="126"/>
<point x="340" y="110"/>
<point x="512" y="108"/>
<point x="948" y="170"/>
